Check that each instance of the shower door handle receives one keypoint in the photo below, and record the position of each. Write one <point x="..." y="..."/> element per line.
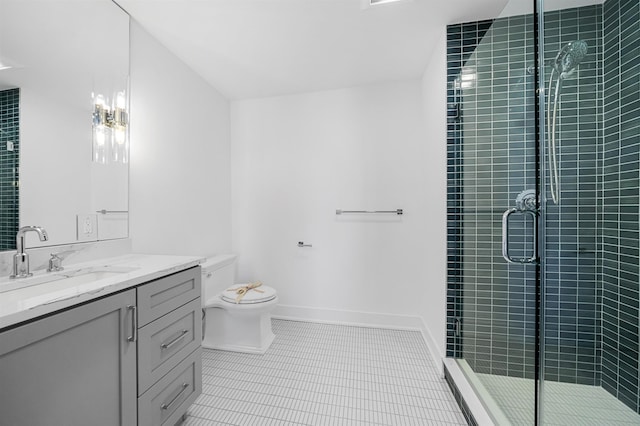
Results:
<point x="505" y="236"/>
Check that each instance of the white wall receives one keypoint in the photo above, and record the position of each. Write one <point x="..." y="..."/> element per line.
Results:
<point x="296" y="159"/>
<point x="180" y="177"/>
<point x="434" y="96"/>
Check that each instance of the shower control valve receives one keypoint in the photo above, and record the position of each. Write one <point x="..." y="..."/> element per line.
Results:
<point x="526" y="200"/>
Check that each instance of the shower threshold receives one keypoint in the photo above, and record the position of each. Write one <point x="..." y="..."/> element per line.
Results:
<point x="510" y="401"/>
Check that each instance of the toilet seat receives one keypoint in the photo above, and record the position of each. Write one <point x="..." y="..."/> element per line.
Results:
<point x="265" y="294"/>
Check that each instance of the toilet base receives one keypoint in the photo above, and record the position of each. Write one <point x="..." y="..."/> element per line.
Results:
<point x="240" y="348"/>
<point x="238" y="330"/>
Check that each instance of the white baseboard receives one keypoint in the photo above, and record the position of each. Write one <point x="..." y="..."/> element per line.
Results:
<point x="361" y="319"/>
<point x="436" y="355"/>
<point x="239" y="348"/>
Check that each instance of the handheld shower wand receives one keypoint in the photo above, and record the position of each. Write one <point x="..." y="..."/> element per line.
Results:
<point x="564" y="65"/>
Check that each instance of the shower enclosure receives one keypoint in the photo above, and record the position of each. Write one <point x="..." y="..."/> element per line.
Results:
<point x="543" y="195"/>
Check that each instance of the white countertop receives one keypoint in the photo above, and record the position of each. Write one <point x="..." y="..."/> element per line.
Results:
<point x="105" y="276"/>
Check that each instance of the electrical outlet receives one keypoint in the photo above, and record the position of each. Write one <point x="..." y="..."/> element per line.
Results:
<point x="87" y="227"/>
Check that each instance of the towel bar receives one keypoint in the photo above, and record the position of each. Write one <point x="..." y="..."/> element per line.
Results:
<point x="397" y="211"/>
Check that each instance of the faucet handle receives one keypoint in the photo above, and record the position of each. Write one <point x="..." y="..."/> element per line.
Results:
<point x="55" y="263"/>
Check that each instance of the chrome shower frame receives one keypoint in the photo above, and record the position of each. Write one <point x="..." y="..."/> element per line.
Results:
<point x="542" y="205"/>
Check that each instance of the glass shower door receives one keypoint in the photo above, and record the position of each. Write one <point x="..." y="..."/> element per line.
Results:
<point x="493" y="209"/>
<point x="590" y="239"/>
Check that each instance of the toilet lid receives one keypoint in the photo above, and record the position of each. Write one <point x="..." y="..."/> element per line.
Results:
<point x="258" y="295"/>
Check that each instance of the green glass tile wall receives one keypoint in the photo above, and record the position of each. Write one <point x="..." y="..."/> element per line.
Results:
<point x="491" y="158"/>
<point x="620" y="235"/>
<point x="9" y="155"/>
<point x="461" y="45"/>
<point x="572" y="287"/>
<point x="494" y="147"/>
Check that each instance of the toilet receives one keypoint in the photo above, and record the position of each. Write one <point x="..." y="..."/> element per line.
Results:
<point x="242" y="326"/>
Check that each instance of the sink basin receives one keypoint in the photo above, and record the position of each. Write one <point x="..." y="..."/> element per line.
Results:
<point x="97" y="272"/>
<point x="87" y="277"/>
<point x="65" y="279"/>
<point x="49" y="288"/>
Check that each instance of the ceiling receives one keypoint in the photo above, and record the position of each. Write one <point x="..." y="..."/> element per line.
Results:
<point x="259" y="48"/>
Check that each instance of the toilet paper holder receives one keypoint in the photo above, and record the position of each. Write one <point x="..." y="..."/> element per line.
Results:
<point x="302" y="244"/>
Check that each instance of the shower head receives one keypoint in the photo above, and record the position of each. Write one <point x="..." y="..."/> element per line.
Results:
<point x="569" y="57"/>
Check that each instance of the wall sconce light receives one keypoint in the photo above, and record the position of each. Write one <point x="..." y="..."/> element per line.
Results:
<point x="110" y="129"/>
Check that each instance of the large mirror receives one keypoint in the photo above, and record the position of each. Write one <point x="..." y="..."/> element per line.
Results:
<point x="64" y="67"/>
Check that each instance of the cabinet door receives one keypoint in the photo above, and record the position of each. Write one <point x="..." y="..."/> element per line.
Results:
<point x="76" y="367"/>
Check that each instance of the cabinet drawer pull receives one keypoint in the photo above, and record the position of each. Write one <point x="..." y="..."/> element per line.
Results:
<point x="134" y="323"/>
<point x="174" y="341"/>
<point x="165" y="406"/>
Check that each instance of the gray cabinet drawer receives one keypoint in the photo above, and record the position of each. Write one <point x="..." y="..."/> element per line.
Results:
<point x="160" y="297"/>
<point x="166" y="401"/>
<point x="166" y="341"/>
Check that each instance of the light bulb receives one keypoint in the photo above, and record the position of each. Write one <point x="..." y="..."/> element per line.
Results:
<point x="100" y="136"/>
<point x="120" y="135"/>
<point x="121" y="100"/>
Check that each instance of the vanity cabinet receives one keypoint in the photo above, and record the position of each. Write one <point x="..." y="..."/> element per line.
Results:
<point x="76" y="367"/>
<point x="133" y="357"/>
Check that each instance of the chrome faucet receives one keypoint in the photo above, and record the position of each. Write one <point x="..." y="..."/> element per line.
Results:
<point x="21" y="258"/>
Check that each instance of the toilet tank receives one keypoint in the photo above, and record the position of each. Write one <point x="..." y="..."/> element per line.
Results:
<point x="218" y="274"/>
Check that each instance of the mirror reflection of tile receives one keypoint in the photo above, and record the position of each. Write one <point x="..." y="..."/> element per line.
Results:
<point x="9" y="156"/>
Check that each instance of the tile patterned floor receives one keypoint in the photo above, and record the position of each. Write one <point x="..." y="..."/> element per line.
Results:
<point x="565" y="404"/>
<point x="321" y="374"/>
